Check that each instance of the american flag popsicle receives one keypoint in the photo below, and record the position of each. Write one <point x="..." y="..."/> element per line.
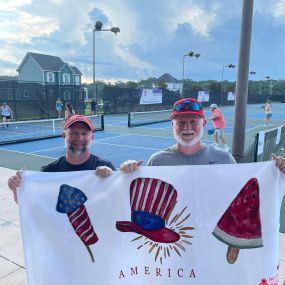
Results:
<point x="71" y="202"/>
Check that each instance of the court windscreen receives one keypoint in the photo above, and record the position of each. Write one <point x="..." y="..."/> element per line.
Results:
<point x="146" y="118"/>
<point x="265" y="143"/>
<point x="13" y="132"/>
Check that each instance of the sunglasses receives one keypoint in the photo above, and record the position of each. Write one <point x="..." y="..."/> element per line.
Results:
<point x="187" y="106"/>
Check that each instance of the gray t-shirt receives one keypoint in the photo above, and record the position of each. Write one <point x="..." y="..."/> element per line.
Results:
<point x="207" y="155"/>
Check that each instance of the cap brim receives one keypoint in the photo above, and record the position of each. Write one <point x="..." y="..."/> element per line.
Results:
<point x="174" y="114"/>
<point x="78" y="121"/>
<point x="162" y="235"/>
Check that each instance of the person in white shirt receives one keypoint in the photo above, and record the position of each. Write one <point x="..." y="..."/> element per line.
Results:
<point x="268" y="113"/>
<point x="6" y="114"/>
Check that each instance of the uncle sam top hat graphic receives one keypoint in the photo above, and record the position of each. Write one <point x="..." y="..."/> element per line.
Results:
<point x="152" y="201"/>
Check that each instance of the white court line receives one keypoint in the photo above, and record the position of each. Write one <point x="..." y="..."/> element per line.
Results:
<point x="128" y="146"/>
<point x="47" y="149"/>
<point x="254" y="128"/>
<point x="21" y="152"/>
<point x="140" y="135"/>
<point x="124" y="135"/>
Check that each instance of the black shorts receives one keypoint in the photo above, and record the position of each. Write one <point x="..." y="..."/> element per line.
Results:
<point x="7" y="117"/>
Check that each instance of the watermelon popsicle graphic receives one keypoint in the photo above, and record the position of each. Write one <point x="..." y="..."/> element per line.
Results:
<point x="71" y="202"/>
<point x="240" y="225"/>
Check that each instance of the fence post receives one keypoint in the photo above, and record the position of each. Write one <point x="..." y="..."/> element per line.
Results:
<point x="256" y="139"/>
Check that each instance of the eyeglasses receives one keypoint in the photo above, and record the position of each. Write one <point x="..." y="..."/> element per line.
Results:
<point x="187" y="106"/>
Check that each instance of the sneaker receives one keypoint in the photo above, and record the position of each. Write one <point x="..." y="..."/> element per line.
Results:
<point x="226" y="147"/>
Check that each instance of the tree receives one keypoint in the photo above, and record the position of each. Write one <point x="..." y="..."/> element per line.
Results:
<point x="132" y="84"/>
<point x="161" y="84"/>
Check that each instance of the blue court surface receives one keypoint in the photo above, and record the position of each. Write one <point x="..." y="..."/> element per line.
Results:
<point x="119" y="143"/>
<point x="115" y="147"/>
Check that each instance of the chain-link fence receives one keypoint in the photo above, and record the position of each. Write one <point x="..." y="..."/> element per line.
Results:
<point x="265" y="143"/>
<point x="33" y="100"/>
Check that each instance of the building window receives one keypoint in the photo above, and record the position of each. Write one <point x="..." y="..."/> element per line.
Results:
<point x="66" y="95"/>
<point x="66" y="78"/>
<point x="26" y="93"/>
<point x="17" y="95"/>
<point x="10" y="94"/>
<point x="77" y="80"/>
<point x="50" y="77"/>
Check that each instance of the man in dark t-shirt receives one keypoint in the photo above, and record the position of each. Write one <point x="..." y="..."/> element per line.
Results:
<point x="62" y="165"/>
<point x="78" y="136"/>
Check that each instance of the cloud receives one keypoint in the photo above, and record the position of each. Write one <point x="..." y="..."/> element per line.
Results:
<point x="154" y="35"/>
<point x="7" y="55"/>
<point x="279" y="9"/>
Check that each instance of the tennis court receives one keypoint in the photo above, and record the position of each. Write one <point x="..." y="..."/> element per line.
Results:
<point x="117" y="142"/>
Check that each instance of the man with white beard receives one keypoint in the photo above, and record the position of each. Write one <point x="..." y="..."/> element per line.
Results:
<point x="188" y="121"/>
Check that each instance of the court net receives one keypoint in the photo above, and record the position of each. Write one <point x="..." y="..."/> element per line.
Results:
<point x="265" y="143"/>
<point x="146" y="118"/>
<point x="21" y="131"/>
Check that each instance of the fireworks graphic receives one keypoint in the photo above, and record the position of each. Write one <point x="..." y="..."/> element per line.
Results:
<point x="163" y="251"/>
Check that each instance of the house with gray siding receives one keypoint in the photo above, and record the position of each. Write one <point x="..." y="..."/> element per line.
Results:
<point x="50" y="73"/>
<point x="41" y="80"/>
<point x="44" y="68"/>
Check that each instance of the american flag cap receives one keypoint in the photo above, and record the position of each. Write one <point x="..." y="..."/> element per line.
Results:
<point x="152" y="201"/>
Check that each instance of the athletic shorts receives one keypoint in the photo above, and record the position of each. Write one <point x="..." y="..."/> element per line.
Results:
<point x="7" y="117"/>
<point x="219" y="132"/>
<point x="268" y="116"/>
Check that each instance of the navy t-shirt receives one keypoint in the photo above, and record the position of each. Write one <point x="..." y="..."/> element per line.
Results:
<point x="62" y="165"/>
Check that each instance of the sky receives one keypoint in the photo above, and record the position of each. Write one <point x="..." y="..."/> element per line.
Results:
<point x="154" y="37"/>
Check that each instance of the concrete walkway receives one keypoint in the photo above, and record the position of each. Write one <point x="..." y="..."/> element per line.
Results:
<point x="12" y="265"/>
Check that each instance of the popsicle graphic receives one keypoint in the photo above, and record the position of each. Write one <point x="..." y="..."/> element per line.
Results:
<point x="71" y="202"/>
<point x="240" y="225"/>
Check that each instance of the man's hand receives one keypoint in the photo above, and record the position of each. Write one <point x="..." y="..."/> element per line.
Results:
<point x="14" y="182"/>
<point x="130" y="165"/>
<point x="103" y="171"/>
<point x="279" y="162"/>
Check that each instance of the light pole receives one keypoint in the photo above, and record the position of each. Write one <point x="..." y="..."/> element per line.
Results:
<point x="229" y="66"/>
<point x="98" y="28"/>
<point x="261" y="83"/>
<point x="191" y="54"/>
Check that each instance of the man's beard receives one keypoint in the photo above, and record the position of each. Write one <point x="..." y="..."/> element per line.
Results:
<point x="195" y="138"/>
<point x="77" y="152"/>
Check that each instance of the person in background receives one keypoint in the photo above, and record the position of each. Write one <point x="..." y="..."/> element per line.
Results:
<point x="93" y="106"/>
<point x="188" y="121"/>
<point x="6" y="114"/>
<point x="58" y="107"/>
<point x="268" y="113"/>
<point x="69" y="111"/>
<point x="219" y="124"/>
<point x="78" y="136"/>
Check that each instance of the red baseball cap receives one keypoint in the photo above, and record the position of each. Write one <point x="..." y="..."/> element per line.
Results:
<point x="187" y="106"/>
<point x="78" y="118"/>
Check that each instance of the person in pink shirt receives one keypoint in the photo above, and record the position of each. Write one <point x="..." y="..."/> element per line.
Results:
<point x="219" y="124"/>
